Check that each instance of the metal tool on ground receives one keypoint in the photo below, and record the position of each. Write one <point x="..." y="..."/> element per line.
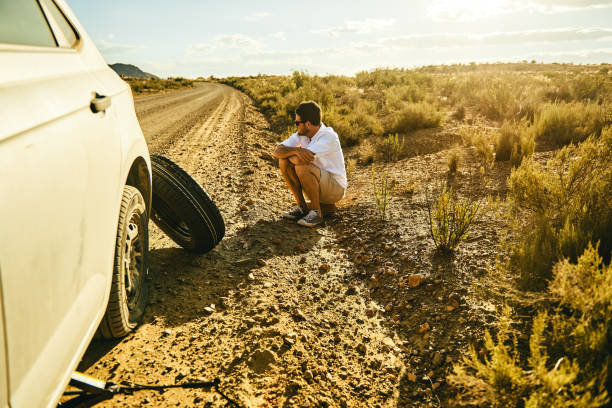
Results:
<point x="92" y="390"/>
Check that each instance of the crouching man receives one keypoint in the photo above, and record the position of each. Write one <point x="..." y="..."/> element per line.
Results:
<point x="312" y="162"/>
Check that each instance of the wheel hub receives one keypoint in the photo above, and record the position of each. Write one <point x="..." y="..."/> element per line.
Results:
<point x="131" y="257"/>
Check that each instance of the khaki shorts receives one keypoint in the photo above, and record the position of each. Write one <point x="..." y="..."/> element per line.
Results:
<point x="330" y="191"/>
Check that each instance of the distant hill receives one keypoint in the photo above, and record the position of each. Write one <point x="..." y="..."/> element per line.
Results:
<point x="130" y="70"/>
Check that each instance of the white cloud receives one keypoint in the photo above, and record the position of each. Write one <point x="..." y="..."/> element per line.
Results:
<point x="368" y="25"/>
<point x="224" y="42"/>
<point x="449" y="40"/>
<point x="279" y="35"/>
<point x="470" y="10"/>
<point x="257" y="16"/>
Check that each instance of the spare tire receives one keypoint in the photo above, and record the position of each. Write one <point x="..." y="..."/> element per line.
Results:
<point x="183" y="209"/>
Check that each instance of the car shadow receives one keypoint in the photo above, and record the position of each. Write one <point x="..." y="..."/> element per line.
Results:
<point x="182" y="284"/>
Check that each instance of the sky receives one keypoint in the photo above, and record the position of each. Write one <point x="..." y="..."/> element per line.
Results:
<point x="194" y="38"/>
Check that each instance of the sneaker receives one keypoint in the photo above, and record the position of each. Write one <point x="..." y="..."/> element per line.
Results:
<point x="295" y="213"/>
<point x="311" y="219"/>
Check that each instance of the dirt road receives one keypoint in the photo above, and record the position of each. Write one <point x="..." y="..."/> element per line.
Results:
<point x="284" y="315"/>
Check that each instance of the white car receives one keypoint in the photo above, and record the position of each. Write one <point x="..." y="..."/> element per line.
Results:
<point x="75" y="196"/>
<point x="77" y="187"/>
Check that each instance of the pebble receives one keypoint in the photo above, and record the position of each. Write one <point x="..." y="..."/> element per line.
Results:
<point x="415" y="280"/>
<point x="299" y="315"/>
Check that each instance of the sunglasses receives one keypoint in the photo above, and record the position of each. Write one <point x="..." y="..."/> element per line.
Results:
<point x="297" y="122"/>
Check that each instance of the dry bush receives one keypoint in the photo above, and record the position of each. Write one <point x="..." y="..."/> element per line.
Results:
<point x="514" y="141"/>
<point x="367" y="152"/>
<point x="569" y="357"/>
<point x="561" y="207"/>
<point x="563" y="123"/>
<point x="459" y="113"/>
<point x="414" y="116"/>
<point x="453" y="160"/>
<point x="484" y="150"/>
<point x="392" y="147"/>
<point x="148" y="85"/>
<point x="351" y="166"/>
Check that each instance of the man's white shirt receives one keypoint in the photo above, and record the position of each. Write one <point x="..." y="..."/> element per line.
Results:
<point x="325" y="144"/>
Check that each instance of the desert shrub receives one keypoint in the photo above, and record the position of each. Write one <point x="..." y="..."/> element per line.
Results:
<point x="484" y="149"/>
<point x="569" y="354"/>
<point x="561" y="207"/>
<point x="563" y="123"/>
<point x="351" y="165"/>
<point x="453" y="160"/>
<point x="367" y="152"/>
<point x="414" y="116"/>
<point x="450" y="218"/>
<point x="459" y="113"/>
<point x="382" y="185"/>
<point x="513" y="142"/>
<point x="392" y="147"/>
<point x="148" y="85"/>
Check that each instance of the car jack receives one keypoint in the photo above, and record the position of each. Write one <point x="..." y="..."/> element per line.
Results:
<point x="93" y="391"/>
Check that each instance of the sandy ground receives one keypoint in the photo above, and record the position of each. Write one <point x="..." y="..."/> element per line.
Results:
<point x="355" y="313"/>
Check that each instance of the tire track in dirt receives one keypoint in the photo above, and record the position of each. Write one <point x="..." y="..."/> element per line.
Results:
<point x="164" y="121"/>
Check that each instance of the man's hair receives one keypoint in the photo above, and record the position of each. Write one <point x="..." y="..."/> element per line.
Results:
<point x="309" y="111"/>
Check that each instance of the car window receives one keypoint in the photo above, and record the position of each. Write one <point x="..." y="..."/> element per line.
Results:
<point x="63" y="24"/>
<point x="22" y="22"/>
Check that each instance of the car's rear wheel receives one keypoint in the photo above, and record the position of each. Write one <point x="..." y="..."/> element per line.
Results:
<point x="129" y="293"/>
<point x="183" y="209"/>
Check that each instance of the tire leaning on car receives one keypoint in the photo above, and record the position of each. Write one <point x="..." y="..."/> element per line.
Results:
<point x="129" y="291"/>
<point x="183" y="209"/>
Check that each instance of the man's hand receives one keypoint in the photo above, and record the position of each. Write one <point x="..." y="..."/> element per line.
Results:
<point x="294" y="154"/>
<point x="304" y="155"/>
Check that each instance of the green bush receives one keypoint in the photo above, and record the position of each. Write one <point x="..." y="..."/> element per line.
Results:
<point x="392" y="147"/>
<point x="562" y="207"/>
<point x="569" y="358"/>
<point x="382" y="186"/>
<point x="564" y="123"/>
<point x="513" y="142"/>
<point x="450" y="218"/>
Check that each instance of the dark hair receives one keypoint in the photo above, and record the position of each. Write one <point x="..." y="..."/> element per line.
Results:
<point x="309" y="111"/>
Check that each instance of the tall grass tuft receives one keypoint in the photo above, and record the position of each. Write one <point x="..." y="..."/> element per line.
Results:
<point x="382" y="186"/>
<point x="450" y="218"/>
<point x="514" y="141"/>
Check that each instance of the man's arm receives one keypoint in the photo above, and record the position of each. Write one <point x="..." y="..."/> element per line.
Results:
<point x="286" y="152"/>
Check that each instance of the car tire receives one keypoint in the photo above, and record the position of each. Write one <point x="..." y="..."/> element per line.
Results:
<point x="129" y="290"/>
<point x="183" y="209"/>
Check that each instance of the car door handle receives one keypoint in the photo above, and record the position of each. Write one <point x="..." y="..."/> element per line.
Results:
<point x="100" y="103"/>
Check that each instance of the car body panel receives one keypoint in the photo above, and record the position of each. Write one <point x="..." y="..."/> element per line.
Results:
<point x="62" y="173"/>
